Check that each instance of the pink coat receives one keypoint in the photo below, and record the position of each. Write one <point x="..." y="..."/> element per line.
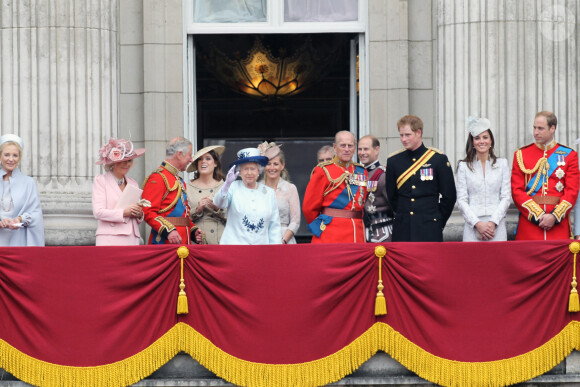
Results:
<point x="106" y="194"/>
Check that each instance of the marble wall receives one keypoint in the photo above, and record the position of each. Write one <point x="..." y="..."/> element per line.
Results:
<point x="59" y="79"/>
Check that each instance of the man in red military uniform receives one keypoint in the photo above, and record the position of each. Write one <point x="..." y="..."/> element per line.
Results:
<point x="169" y="213"/>
<point x="335" y="196"/>
<point x="545" y="181"/>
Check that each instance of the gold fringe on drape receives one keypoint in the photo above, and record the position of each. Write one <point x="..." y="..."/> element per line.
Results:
<point x="380" y="337"/>
<point x="122" y="373"/>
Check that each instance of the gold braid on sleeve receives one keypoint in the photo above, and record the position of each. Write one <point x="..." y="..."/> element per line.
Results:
<point x="560" y="210"/>
<point x="542" y="166"/>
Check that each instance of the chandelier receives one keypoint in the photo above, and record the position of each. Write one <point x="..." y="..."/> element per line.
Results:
<point x="260" y="74"/>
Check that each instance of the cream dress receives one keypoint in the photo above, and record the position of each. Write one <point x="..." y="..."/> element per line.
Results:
<point x="484" y="197"/>
<point x="211" y="222"/>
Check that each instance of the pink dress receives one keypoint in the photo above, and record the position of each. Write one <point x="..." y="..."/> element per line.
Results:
<point x="113" y="229"/>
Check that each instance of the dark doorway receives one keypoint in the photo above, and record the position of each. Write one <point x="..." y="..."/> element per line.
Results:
<point x="302" y="122"/>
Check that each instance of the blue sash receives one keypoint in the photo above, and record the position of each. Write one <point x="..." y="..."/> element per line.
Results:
<point x="553" y="162"/>
<point x="177" y="212"/>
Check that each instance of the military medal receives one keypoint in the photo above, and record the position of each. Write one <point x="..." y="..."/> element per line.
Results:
<point x="322" y="226"/>
<point x="560" y="173"/>
<point x="560" y="186"/>
<point x="561" y="160"/>
<point x="372" y="197"/>
<point x="423" y="174"/>
<point x="372" y="185"/>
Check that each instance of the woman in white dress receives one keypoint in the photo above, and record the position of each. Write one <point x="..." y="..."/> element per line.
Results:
<point x="276" y="177"/>
<point x="483" y="186"/>
<point x="252" y="209"/>
<point x="208" y="179"/>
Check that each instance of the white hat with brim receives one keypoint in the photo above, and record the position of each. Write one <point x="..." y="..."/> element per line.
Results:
<point x="219" y="149"/>
<point x="477" y="125"/>
<point x="250" y="155"/>
<point x="11" y="138"/>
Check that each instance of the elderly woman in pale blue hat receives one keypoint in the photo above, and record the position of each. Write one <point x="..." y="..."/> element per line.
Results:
<point x="21" y="221"/>
<point x="483" y="185"/>
<point x="252" y="209"/>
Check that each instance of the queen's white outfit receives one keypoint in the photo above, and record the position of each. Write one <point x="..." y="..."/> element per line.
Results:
<point x="484" y="197"/>
<point x="252" y="215"/>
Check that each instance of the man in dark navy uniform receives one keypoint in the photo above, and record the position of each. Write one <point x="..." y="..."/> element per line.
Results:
<point x="420" y="186"/>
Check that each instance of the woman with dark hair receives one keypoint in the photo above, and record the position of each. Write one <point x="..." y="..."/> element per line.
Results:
<point x="483" y="185"/>
<point x="207" y="181"/>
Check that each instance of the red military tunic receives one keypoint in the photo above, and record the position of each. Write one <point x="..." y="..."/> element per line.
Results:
<point x="169" y="208"/>
<point x="545" y="180"/>
<point x="334" y="201"/>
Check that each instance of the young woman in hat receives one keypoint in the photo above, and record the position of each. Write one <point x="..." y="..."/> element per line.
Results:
<point x="116" y="226"/>
<point x="276" y="177"/>
<point x="483" y="185"/>
<point x="21" y="221"/>
<point x="208" y="179"/>
<point x="252" y="209"/>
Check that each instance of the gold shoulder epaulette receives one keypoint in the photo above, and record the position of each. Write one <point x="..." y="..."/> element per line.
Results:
<point x="396" y="152"/>
<point x="525" y="146"/>
<point x="325" y="163"/>
<point x="435" y="150"/>
<point x="358" y="164"/>
<point x="564" y="146"/>
<point x="159" y="169"/>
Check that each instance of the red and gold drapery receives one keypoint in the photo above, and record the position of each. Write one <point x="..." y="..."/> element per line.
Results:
<point x="457" y="313"/>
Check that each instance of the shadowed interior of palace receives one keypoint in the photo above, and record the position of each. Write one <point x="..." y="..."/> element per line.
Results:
<point x="291" y="89"/>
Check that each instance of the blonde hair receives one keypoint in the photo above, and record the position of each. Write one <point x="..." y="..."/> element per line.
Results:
<point x="12" y="143"/>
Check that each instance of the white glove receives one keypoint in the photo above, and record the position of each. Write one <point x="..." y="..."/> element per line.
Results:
<point x="230" y="178"/>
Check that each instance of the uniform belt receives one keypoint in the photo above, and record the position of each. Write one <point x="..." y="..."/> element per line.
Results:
<point x="178" y="221"/>
<point x="335" y="212"/>
<point x="551" y="200"/>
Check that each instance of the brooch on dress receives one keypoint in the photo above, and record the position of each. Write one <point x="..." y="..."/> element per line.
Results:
<point x="251" y="227"/>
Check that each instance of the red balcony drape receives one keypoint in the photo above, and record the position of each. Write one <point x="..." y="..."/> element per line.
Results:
<point x="457" y="313"/>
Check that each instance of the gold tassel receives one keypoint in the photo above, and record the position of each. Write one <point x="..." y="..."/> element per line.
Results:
<point x="182" y="308"/>
<point x="380" y="302"/>
<point x="573" y="302"/>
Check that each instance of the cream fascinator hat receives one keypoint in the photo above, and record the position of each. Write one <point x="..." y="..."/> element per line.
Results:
<point x="476" y="125"/>
<point x="270" y="150"/>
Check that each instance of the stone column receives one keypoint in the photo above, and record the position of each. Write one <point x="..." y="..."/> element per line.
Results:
<point x="506" y="60"/>
<point x="58" y="72"/>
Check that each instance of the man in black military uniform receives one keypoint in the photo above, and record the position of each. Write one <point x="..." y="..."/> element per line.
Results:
<point x="420" y="186"/>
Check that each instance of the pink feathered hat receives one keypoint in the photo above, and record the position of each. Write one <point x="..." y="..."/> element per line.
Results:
<point x="117" y="150"/>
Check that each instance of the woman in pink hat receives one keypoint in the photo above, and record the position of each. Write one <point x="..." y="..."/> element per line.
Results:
<point x="118" y="212"/>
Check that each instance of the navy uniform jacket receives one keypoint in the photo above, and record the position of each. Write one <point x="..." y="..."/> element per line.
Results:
<point x="420" y="215"/>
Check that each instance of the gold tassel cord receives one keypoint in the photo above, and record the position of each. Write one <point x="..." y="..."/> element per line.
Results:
<point x="574" y="302"/>
<point x="182" y="308"/>
<point x="380" y="302"/>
